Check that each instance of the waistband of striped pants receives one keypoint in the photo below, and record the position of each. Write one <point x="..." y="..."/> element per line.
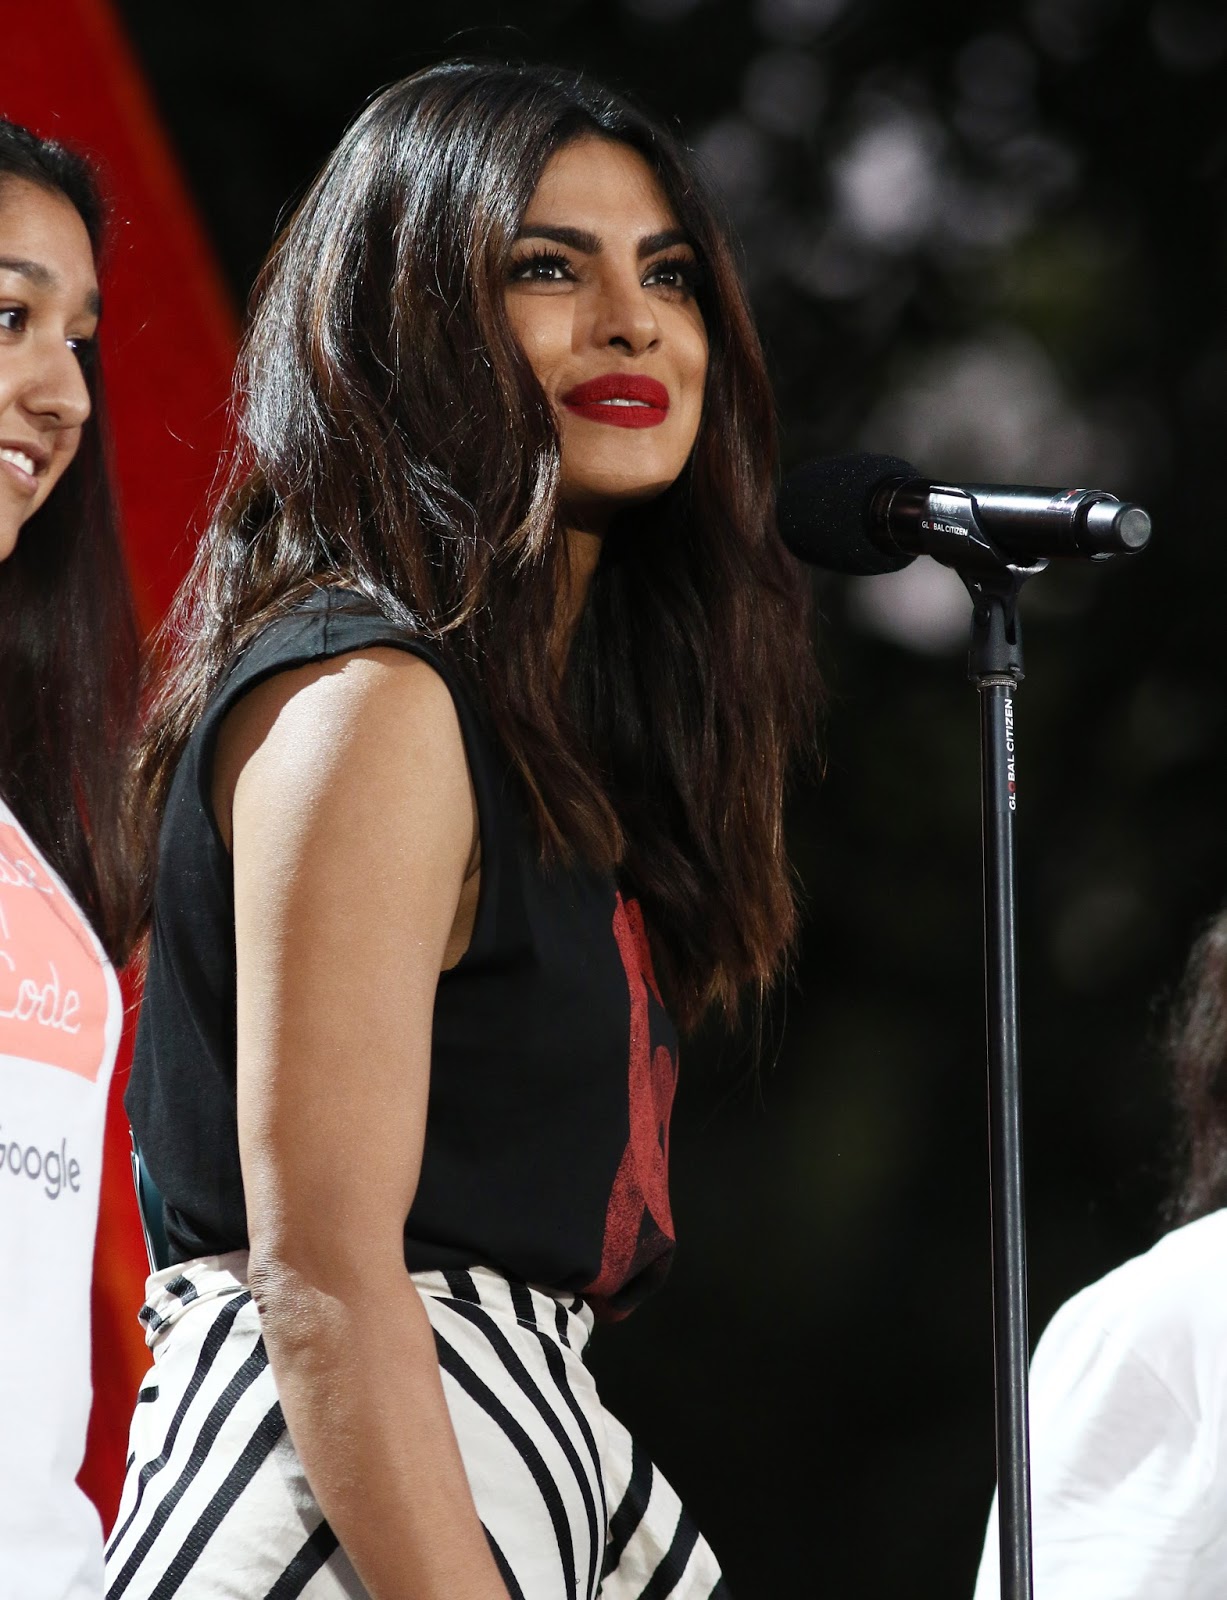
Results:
<point x="171" y="1293"/>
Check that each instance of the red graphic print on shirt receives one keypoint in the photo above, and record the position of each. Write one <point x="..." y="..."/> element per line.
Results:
<point x="53" y="993"/>
<point x="639" y="1222"/>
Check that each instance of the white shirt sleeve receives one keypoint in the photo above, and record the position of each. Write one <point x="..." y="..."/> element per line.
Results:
<point x="1127" y="1489"/>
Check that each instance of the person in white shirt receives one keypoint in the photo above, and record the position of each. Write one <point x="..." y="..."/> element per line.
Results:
<point x="1128" y="1383"/>
<point x="68" y="667"/>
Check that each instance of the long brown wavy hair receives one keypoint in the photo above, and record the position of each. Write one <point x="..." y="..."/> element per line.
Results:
<point x="393" y="437"/>
<point x="69" y="644"/>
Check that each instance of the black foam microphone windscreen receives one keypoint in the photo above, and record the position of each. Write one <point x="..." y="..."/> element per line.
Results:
<point x="822" y="512"/>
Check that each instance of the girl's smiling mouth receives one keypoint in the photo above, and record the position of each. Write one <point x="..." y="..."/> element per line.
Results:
<point x="624" y="400"/>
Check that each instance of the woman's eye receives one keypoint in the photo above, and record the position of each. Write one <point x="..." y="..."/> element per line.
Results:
<point x="84" y="349"/>
<point x="12" y="319"/>
<point x="681" y="273"/>
<point x="544" y="267"/>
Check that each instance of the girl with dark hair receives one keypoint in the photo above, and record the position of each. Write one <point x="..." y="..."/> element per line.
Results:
<point x="1129" y="1381"/>
<point x="68" y="648"/>
<point x="470" y="760"/>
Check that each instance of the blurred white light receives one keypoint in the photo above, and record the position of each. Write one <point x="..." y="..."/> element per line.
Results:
<point x="992" y="410"/>
<point x="924" y="607"/>
<point x="886" y="180"/>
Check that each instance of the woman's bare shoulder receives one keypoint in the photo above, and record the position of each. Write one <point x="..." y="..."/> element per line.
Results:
<point x="364" y="716"/>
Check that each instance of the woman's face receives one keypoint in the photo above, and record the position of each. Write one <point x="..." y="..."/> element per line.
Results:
<point x="48" y="316"/>
<point x="600" y="293"/>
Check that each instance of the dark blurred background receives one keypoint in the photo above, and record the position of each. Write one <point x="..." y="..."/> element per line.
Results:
<point x="988" y="238"/>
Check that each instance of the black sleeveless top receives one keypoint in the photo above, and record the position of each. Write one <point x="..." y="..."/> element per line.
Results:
<point x="553" y="1061"/>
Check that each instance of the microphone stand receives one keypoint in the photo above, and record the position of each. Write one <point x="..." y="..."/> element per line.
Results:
<point x="995" y="666"/>
<point x="907" y="515"/>
<point x="941" y="520"/>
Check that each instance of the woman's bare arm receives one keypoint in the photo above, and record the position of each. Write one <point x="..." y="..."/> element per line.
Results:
<point x="353" y="830"/>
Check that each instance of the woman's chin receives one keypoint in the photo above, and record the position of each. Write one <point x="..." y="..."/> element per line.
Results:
<point x="593" y="511"/>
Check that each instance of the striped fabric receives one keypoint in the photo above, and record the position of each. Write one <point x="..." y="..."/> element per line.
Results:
<point x="215" y="1504"/>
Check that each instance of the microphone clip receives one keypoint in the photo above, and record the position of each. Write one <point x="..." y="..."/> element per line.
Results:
<point x="952" y="534"/>
<point x="996" y="654"/>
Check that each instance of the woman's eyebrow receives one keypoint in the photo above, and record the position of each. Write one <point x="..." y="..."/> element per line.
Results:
<point x="42" y="277"/>
<point x="588" y="244"/>
<point x="576" y="238"/>
<point x="664" y="241"/>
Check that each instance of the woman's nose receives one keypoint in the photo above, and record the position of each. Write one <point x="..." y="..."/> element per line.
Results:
<point x="55" y="389"/>
<point x="625" y="315"/>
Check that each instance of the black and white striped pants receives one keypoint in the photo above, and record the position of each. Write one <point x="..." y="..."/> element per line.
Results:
<point x="215" y="1504"/>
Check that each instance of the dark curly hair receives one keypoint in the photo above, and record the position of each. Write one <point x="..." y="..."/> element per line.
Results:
<point x="1196" y="1045"/>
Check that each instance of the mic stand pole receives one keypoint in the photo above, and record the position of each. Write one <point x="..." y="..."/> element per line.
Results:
<point x="941" y="520"/>
<point x="995" y="667"/>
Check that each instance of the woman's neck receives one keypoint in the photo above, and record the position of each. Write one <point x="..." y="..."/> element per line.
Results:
<point x="583" y="553"/>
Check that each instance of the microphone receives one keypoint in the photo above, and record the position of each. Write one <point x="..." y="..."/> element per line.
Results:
<point x="865" y="514"/>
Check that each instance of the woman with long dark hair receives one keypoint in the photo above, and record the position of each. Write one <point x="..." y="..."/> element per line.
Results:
<point x="470" y="758"/>
<point x="68" y="667"/>
<point x="1129" y="1380"/>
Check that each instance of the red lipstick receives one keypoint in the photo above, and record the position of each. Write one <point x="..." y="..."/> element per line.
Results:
<point x="624" y="400"/>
